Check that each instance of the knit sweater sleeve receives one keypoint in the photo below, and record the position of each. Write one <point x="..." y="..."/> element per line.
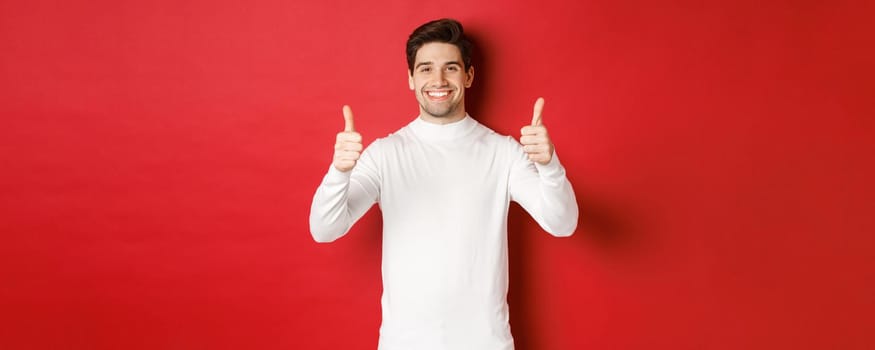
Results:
<point x="544" y="192"/>
<point x="343" y="197"/>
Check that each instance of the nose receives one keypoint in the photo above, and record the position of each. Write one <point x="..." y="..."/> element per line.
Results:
<point x="441" y="78"/>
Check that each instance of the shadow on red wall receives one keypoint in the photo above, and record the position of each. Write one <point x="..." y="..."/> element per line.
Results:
<point x="606" y="225"/>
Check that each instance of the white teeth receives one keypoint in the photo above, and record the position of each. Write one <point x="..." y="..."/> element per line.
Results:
<point x="437" y="93"/>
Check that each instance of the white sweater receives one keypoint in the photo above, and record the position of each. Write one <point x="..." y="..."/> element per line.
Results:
<point x="444" y="191"/>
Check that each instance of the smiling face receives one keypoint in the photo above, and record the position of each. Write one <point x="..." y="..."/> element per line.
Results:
<point x="439" y="81"/>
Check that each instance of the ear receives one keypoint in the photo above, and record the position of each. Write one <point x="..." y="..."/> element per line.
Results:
<point x="410" y="79"/>
<point x="470" y="78"/>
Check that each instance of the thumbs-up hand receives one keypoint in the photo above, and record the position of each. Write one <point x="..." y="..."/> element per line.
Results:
<point x="535" y="140"/>
<point x="348" y="147"/>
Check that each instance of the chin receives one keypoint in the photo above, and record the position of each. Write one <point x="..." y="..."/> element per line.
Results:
<point x="439" y="113"/>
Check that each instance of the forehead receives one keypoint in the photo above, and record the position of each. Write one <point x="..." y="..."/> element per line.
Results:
<point x="436" y="52"/>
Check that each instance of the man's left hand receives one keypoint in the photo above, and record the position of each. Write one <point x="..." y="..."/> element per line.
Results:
<point x="535" y="140"/>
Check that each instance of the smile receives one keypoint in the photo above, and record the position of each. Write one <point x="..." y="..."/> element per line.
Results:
<point x="438" y="95"/>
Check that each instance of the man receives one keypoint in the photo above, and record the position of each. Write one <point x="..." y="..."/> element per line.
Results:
<point x="444" y="183"/>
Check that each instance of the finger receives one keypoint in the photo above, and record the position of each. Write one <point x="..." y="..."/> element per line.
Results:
<point x="533" y="130"/>
<point x="538" y="158"/>
<point x="534" y="149"/>
<point x="539" y="108"/>
<point x="348" y="155"/>
<point x="347" y="118"/>
<point x="534" y="140"/>
<point x="350" y="146"/>
<point x="531" y="140"/>
<point x="350" y="136"/>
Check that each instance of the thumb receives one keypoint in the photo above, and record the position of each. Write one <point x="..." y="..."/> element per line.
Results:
<point x="539" y="108"/>
<point x="347" y="118"/>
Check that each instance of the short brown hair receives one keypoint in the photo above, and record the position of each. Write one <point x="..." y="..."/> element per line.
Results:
<point x="444" y="30"/>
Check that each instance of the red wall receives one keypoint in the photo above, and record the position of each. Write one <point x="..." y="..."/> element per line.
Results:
<point x="158" y="160"/>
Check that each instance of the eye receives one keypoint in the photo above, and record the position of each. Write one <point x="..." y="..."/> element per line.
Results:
<point x="453" y="68"/>
<point x="425" y="69"/>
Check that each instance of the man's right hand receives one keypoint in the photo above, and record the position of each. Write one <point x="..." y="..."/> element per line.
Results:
<point x="348" y="147"/>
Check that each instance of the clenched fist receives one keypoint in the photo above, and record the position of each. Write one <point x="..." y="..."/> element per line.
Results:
<point x="348" y="147"/>
<point x="535" y="140"/>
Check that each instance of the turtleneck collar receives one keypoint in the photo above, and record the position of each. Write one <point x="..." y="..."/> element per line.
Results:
<point x="442" y="132"/>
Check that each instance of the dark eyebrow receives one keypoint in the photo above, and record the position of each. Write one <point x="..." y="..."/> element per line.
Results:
<point x="429" y="63"/>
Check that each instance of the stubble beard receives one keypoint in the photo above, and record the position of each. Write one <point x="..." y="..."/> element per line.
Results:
<point x="438" y="111"/>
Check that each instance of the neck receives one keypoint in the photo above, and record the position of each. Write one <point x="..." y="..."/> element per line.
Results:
<point x="447" y="119"/>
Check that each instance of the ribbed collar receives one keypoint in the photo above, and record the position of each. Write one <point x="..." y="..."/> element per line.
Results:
<point x="442" y="132"/>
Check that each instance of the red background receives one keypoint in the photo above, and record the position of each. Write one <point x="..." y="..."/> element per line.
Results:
<point x="159" y="157"/>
